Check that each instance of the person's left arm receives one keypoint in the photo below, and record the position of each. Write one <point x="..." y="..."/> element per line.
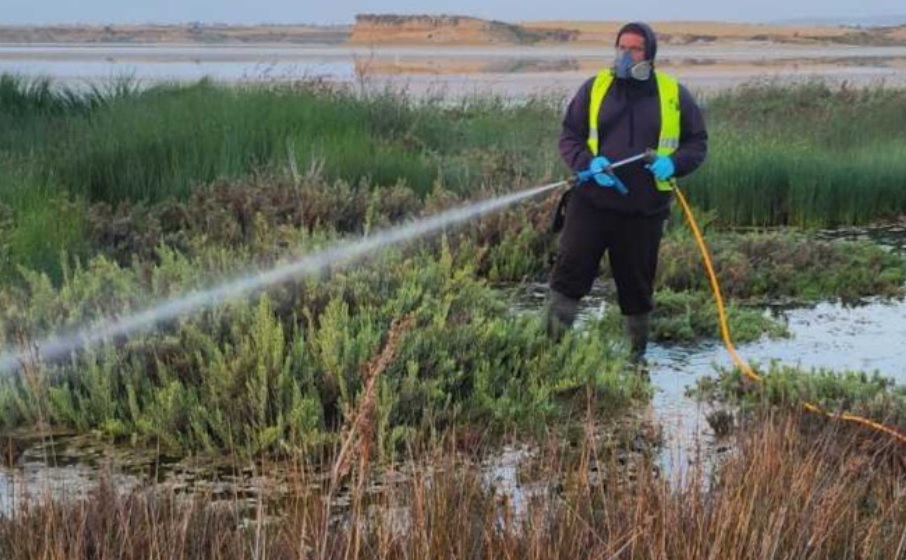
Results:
<point x="693" y="144"/>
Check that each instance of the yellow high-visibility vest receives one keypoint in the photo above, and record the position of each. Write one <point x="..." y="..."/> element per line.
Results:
<point x="668" y="94"/>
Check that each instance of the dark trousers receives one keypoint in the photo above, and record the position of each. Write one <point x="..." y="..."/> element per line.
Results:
<point x="631" y="242"/>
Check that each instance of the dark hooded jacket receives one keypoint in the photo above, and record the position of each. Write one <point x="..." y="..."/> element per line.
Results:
<point x="629" y="123"/>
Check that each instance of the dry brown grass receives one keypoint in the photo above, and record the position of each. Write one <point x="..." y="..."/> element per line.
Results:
<point x="793" y="488"/>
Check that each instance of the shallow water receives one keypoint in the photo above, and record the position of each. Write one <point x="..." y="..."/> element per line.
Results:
<point x="502" y="70"/>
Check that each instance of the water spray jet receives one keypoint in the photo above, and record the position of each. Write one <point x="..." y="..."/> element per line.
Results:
<point x="62" y="345"/>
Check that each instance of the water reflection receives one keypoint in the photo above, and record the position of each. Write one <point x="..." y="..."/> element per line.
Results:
<point x="47" y="468"/>
<point x="502" y="69"/>
<point x="177" y="71"/>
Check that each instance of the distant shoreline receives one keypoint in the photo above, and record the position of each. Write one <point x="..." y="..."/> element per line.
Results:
<point x="508" y="70"/>
<point x="447" y="31"/>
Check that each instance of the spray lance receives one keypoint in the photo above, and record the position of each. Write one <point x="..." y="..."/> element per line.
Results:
<point x="586" y="175"/>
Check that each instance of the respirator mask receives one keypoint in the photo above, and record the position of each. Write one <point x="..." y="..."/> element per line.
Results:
<point x="625" y="68"/>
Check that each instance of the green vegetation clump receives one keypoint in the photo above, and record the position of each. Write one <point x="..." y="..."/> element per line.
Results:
<point x="689" y="316"/>
<point x="284" y="371"/>
<point x="166" y="140"/>
<point x="803" y="155"/>
<point x="129" y="146"/>
<point x="782" y="267"/>
<point x="869" y="395"/>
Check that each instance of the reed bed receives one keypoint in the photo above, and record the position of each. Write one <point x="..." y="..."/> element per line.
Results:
<point x="806" y="155"/>
<point x="793" y="487"/>
<point x="809" y="154"/>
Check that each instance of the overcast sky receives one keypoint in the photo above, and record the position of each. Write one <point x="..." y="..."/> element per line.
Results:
<point x="343" y="11"/>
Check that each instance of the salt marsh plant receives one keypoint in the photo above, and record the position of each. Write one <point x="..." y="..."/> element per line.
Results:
<point x="275" y="374"/>
<point x="293" y="358"/>
<point x="852" y="392"/>
<point x="772" y="266"/>
<point x="165" y="140"/>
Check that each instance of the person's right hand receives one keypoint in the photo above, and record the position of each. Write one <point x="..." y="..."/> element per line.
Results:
<point x="598" y="167"/>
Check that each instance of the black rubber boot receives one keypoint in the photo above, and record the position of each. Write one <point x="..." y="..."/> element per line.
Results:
<point x="636" y="327"/>
<point x="560" y="314"/>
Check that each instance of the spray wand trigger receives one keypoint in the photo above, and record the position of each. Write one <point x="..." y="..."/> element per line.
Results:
<point x="588" y="174"/>
<point x="648" y="156"/>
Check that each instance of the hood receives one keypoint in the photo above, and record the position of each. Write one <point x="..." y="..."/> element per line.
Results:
<point x="644" y="30"/>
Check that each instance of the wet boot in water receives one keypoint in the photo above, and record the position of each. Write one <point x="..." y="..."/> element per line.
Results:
<point x="560" y="314"/>
<point x="636" y="327"/>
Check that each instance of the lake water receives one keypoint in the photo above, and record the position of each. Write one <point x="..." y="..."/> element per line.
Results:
<point x="508" y="71"/>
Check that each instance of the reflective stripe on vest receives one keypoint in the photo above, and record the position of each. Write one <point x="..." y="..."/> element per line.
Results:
<point x="668" y="94"/>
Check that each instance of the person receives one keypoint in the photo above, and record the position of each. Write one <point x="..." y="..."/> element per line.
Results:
<point x="623" y="111"/>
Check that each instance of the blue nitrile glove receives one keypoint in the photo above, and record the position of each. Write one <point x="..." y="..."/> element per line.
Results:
<point x="662" y="168"/>
<point x="598" y="167"/>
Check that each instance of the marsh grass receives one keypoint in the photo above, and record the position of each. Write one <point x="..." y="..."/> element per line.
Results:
<point x="809" y="154"/>
<point x="692" y="316"/>
<point x="805" y="155"/>
<point x="781" y="266"/>
<point x="164" y="141"/>
<point x="792" y="487"/>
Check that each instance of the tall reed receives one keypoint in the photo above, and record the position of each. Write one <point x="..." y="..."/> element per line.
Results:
<point x="806" y="155"/>
<point x="789" y="489"/>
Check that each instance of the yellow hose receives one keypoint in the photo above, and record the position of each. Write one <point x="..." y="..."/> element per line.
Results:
<point x="728" y="342"/>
